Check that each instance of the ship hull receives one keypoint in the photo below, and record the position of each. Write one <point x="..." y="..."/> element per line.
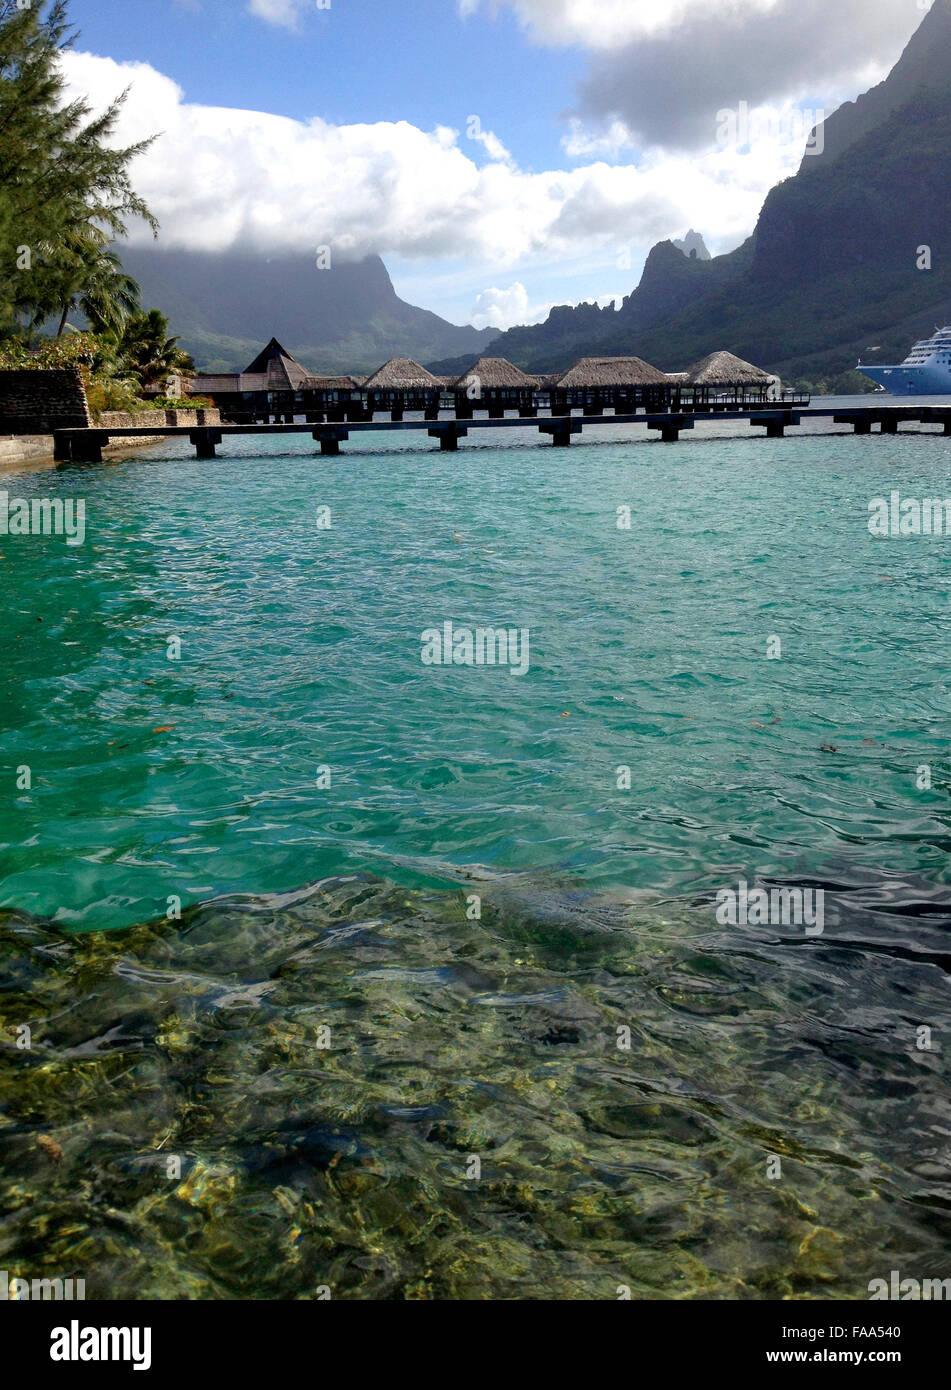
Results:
<point x="911" y="381"/>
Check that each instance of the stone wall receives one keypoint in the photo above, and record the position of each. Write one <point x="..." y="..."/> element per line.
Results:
<point x="35" y="402"/>
<point x="144" y="419"/>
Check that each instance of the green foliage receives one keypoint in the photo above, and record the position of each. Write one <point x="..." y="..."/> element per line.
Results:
<point x="75" y="350"/>
<point x="112" y="393"/>
<point x="65" y="192"/>
<point x="180" y="403"/>
<point x="147" y="352"/>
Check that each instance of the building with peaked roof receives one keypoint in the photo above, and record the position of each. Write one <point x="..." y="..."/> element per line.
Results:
<point x="275" y="383"/>
<point x="623" y="383"/>
<point x="594" y="373"/>
<point x="496" y="385"/>
<point x="401" y="374"/>
<point x="402" y="384"/>
<point x="723" y="374"/>
<point x="283" y="371"/>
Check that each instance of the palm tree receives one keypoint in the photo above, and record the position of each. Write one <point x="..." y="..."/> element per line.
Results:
<point x="98" y="287"/>
<point x="146" y="349"/>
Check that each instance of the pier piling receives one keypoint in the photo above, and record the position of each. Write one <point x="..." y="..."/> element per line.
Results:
<point x="86" y="446"/>
<point x="448" y="435"/>
<point x="670" y="427"/>
<point x="330" y="438"/>
<point x="204" y="442"/>
<point x="561" y="428"/>
<point x="776" y="423"/>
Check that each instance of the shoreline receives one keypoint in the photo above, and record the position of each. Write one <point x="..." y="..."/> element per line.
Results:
<point x="35" y="454"/>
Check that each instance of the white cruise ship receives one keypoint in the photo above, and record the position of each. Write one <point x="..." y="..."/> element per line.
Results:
<point x="926" y="371"/>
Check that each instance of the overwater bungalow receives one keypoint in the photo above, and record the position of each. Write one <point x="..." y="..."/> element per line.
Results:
<point x="624" y="384"/>
<point x="402" y="384"/>
<point x="494" y="385"/>
<point x="724" y="379"/>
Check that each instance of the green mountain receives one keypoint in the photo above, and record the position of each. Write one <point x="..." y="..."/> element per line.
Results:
<point x="832" y="271"/>
<point x="348" y="318"/>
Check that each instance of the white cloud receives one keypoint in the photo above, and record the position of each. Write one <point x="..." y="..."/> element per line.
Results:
<point x="661" y="69"/>
<point x="583" y="142"/>
<point x="607" y="23"/>
<point x="498" y="308"/>
<point x="219" y="178"/>
<point x="505" y="308"/>
<point x="283" y="12"/>
<point x="493" y="146"/>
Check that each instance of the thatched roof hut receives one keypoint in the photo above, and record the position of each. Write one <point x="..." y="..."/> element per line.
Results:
<point x="401" y="374"/>
<point x="604" y="372"/>
<point x="495" y="374"/>
<point x="723" y="369"/>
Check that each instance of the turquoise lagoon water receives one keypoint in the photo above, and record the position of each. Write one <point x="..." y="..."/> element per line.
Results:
<point x="350" y="905"/>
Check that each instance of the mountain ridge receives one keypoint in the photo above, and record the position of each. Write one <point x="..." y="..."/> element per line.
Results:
<point x="349" y="317"/>
<point x="832" y="268"/>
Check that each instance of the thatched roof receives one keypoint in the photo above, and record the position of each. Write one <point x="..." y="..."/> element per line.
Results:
<point x="401" y="374"/>
<point x="496" y="374"/>
<point x="206" y="383"/>
<point x="611" y="371"/>
<point x="276" y="378"/>
<point x="723" y="369"/>
<point x="329" y="383"/>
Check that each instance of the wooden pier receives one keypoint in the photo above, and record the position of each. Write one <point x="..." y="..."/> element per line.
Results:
<point x="86" y="445"/>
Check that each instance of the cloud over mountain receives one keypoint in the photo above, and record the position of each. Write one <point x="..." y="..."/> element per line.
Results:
<point x="663" y="68"/>
<point x="270" y="183"/>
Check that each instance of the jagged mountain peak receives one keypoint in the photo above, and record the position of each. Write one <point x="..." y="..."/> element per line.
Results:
<point x="925" y="65"/>
<point x="693" y="246"/>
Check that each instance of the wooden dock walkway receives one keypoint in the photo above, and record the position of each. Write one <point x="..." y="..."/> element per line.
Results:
<point x="86" y="445"/>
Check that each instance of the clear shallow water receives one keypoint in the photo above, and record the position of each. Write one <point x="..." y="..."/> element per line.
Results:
<point x="301" y="648"/>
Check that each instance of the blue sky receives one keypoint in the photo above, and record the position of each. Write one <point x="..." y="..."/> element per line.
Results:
<point x="599" y="129"/>
<point x="361" y="60"/>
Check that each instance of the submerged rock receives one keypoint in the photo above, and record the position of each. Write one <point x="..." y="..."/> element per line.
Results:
<point x="358" y="1088"/>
